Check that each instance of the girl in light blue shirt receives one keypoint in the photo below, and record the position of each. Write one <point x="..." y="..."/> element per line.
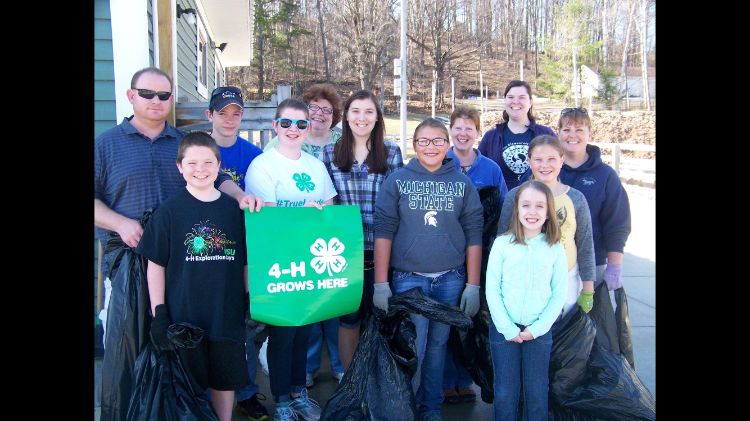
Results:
<point x="526" y="288"/>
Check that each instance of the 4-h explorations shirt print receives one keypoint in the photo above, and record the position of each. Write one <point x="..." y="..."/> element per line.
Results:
<point x="304" y="265"/>
<point x="206" y="242"/>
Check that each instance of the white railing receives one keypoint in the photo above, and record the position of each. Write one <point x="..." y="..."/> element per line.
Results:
<point x="641" y="171"/>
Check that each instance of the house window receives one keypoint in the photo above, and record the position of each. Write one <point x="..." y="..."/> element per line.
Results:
<point x="202" y="55"/>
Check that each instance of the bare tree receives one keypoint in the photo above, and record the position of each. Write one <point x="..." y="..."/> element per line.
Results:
<point x="644" y="51"/>
<point x="624" y="67"/>
<point x="323" y="39"/>
<point x="367" y="27"/>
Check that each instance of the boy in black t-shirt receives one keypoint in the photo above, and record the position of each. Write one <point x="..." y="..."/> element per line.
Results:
<point x="197" y="273"/>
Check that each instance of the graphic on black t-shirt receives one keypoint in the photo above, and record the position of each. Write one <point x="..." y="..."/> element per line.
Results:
<point x="515" y="158"/>
<point x="206" y="240"/>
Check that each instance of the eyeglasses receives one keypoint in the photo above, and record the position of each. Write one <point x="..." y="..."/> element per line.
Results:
<point x="566" y="111"/>
<point x="149" y="94"/>
<point x="220" y="90"/>
<point x="438" y="141"/>
<point x="324" y="110"/>
<point x="287" y="123"/>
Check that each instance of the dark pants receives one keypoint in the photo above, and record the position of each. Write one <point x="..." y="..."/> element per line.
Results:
<point x="287" y="359"/>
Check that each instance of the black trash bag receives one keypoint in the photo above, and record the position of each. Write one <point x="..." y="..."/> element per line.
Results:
<point x="572" y="340"/>
<point x="490" y="198"/>
<point x="377" y="385"/>
<point x="163" y="391"/>
<point x="472" y="349"/>
<point x="561" y="413"/>
<point x="414" y="301"/>
<point x="612" y="328"/>
<point x="128" y="323"/>
<point x="622" y="318"/>
<point x="588" y="381"/>
<point x="603" y="316"/>
<point x="612" y="390"/>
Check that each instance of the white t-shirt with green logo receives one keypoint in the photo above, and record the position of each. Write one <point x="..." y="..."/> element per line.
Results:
<point x="288" y="182"/>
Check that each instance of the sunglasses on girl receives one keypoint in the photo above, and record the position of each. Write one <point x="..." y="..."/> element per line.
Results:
<point x="287" y="123"/>
<point x="149" y="94"/>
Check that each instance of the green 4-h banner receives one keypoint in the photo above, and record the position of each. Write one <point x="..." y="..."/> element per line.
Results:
<point x="304" y="265"/>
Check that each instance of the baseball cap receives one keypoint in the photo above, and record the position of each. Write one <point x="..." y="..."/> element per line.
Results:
<point x="223" y="96"/>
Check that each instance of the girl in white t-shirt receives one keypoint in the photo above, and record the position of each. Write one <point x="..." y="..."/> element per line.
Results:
<point x="285" y="176"/>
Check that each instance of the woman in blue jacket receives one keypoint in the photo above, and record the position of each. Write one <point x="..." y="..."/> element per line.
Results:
<point x="608" y="202"/>
<point x="508" y="143"/>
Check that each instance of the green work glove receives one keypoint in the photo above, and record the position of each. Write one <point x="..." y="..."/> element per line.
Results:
<point x="586" y="301"/>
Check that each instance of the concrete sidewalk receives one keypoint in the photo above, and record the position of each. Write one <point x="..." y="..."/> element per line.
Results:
<point x="639" y="281"/>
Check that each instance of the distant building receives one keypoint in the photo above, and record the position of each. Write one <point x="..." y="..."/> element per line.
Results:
<point x="590" y="83"/>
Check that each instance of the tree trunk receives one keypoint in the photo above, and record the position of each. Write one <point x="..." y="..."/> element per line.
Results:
<point x="644" y="55"/>
<point x="624" y="67"/>
<point x="323" y="39"/>
<point x="605" y="38"/>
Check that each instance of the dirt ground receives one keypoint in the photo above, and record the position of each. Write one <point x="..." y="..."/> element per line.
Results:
<point x="607" y="126"/>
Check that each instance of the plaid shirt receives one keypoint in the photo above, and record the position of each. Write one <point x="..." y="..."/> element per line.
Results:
<point x="360" y="187"/>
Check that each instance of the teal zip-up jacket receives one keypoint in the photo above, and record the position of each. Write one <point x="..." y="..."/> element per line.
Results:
<point x="526" y="284"/>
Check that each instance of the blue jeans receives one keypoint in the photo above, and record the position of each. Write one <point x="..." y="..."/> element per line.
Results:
<point x="514" y="364"/>
<point x="315" y="345"/>
<point x="432" y="337"/>
<point x="454" y="374"/>
<point x="251" y="355"/>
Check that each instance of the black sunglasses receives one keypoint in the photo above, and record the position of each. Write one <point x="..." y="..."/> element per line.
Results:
<point x="566" y="111"/>
<point x="149" y="94"/>
<point x="222" y="89"/>
<point x="287" y="123"/>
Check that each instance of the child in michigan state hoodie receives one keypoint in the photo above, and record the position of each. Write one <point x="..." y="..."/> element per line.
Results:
<point x="431" y="217"/>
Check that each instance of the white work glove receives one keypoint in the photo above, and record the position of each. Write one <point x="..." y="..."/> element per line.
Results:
<point x="470" y="300"/>
<point x="381" y="295"/>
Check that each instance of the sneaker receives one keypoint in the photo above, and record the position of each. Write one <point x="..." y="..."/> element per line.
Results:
<point x="466" y="394"/>
<point x="305" y="407"/>
<point x="284" y="412"/>
<point x="338" y="376"/>
<point x="432" y="416"/>
<point x="310" y="379"/>
<point x="450" y="396"/>
<point x="253" y="408"/>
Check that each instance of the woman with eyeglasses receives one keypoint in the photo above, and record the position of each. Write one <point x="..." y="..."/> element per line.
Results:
<point x="274" y="176"/>
<point x="508" y="142"/>
<point x="324" y="105"/>
<point x="607" y="199"/>
<point x="358" y="164"/>
<point x="428" y="227"/>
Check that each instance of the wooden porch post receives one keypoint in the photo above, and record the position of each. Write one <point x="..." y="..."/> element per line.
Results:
<point x="166" y="55"/>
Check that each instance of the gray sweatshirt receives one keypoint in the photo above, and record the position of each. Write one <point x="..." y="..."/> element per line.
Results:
<point x="430" y="217"/>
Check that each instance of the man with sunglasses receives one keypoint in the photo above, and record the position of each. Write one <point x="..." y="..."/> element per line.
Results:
<point x="225" y="111"/>
<point x="135" y="170"/>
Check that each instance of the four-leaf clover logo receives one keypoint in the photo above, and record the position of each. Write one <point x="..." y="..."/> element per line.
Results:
<point x="303" y="182"/>
<point x="328" y="256"/>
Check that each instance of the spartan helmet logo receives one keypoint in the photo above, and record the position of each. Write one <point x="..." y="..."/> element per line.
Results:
<point x="429" y="218"/>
